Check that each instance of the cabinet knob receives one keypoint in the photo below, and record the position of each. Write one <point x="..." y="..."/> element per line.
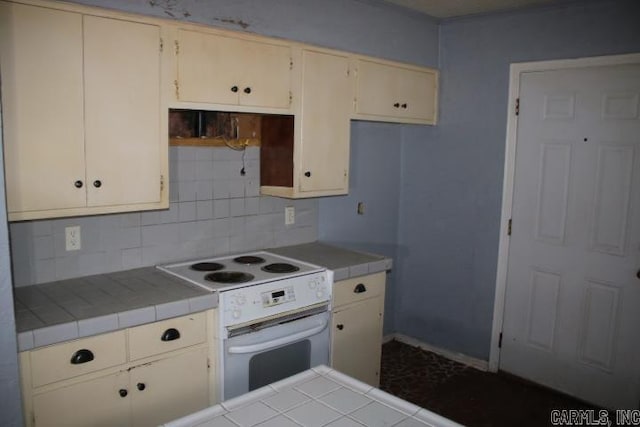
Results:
<point x="97" y="183"/>
<point x="141" y="386"/>
<point x="170" y="334"/>
<point x="247" y="90"/>
<point x="340" y="326"/>
<point x="307" y="174"/>
<point x="397" y="105"/>
<point x="123" y="392"/>
<point x="404" y="106"/>
<point x="81" y="356"/>
<point x="78" y="184"/>
<point x="360" y="288"/>
<point x="234" y="89"/>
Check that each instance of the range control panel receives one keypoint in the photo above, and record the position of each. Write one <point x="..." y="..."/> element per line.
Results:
<point x="242" y="305"/>
<point x="279" y="296"/>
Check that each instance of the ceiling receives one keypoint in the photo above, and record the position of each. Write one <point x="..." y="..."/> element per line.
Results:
<point x="452" y="8"/>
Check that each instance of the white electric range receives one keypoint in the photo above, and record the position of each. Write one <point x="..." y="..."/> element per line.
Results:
<point x="273" y="315"/>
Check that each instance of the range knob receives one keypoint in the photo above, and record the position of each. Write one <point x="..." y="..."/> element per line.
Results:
<point x="241" y="300"/>
<point x="236" y="314"/>
<point x="313" y="284"/>
<point x="320" y="293"/>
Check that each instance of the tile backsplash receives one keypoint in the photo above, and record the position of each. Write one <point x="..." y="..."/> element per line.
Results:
<point x="214" y="210"/>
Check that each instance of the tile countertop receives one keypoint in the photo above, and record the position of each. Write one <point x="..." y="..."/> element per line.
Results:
<point x="65" y="310"/>
<point x="344" y="263"/>
<point x="316" y="397"/>
<point x="60" y="311"/>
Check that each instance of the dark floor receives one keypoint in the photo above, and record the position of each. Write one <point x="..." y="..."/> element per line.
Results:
<point x="464" y="394"/>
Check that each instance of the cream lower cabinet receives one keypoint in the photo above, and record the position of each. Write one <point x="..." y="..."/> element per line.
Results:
<point x="356" y="343"/>
<point x="81" y="110"/>
<point x="98" y="381"/>
<point x="388" y="91"/>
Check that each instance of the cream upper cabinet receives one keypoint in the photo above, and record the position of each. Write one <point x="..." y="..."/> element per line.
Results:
<point x="387" y="91"/>
<point x="219" y="69"/>
<point x="324" y="122"/>
<point x="315" y="160"/>
<point x="356" y="337"/>
<point x="82" y="119"/>
<point x="42" y="108"/>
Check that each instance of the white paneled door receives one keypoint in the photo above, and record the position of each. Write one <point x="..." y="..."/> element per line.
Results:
<point x="572" y="308"/>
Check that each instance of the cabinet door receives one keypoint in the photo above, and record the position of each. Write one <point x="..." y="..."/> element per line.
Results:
<point x="266" y="75"/>
<point x="357" y="340"/>
<point x="225" y="70"/>
<point x="325" y="125"/>
<point x="122" y="111"/>
<point x="208" y="68"/>
<point x="417" y="92"/>
<point x="169" y="388"/>
<point x="42" y="103"/>
<point x="377" y="89"/>
<point x="95" y="403"/>
<point x="396" y="93"/>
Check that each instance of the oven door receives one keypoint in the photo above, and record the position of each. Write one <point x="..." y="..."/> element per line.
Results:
<point x="279" y="349"/>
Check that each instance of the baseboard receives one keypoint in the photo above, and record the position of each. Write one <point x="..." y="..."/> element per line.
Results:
<point x="480" y="364"/>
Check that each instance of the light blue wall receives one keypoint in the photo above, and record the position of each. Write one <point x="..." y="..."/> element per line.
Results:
<point x="10" y="410"/>
<point x="375" y="181"/>
<point x="452" y="183"/>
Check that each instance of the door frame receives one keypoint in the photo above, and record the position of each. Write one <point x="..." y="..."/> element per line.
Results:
<point x="516" y="70"/>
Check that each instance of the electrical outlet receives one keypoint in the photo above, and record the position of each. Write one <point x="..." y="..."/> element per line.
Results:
<point x="289" y="215"/>
<point x="360" y="208"/>
<point x="72" y="238"/>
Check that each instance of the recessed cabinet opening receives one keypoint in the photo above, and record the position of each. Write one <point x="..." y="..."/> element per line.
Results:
<point x="273" y="133"/>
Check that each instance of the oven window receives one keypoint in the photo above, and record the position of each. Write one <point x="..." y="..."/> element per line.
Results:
<point x="279" y="363"/>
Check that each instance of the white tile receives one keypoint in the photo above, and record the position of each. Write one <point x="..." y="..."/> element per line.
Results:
<point x="294" y="379"/>
<point x="345" y="400"/>
<point x="412" y="422"/>
<point x="350" y="382"/>
<point x="286" y="399"/>
<point x="251" y="415"/>
<point x="313" y="414"/>
<point x="278" y="421"/>
<point x="376" y="414"/>
<point x="394" y="402"/>
<point x="344" y="422"/>
<point x="216" y="422"/>
<point x="318" y="387"/>
<point x="248" y="398"/>
<point x="322" y="369"/>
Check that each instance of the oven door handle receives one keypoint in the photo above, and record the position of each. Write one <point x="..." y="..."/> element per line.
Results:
<point x="266" y="345"/>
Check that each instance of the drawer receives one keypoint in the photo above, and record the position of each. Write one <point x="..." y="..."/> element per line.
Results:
<point x="56" y="362"/>
<point x="167" y="335"/>
<point x="358" y="289"/>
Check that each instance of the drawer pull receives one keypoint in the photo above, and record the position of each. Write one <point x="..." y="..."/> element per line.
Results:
<point x="360" y="288"/>
<point x="170" y="335"/>
<point x="123" y="392"/>
<point x="81" y="356"/>
<point x="340" y="326"/>
<point x="141" y="386"/>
